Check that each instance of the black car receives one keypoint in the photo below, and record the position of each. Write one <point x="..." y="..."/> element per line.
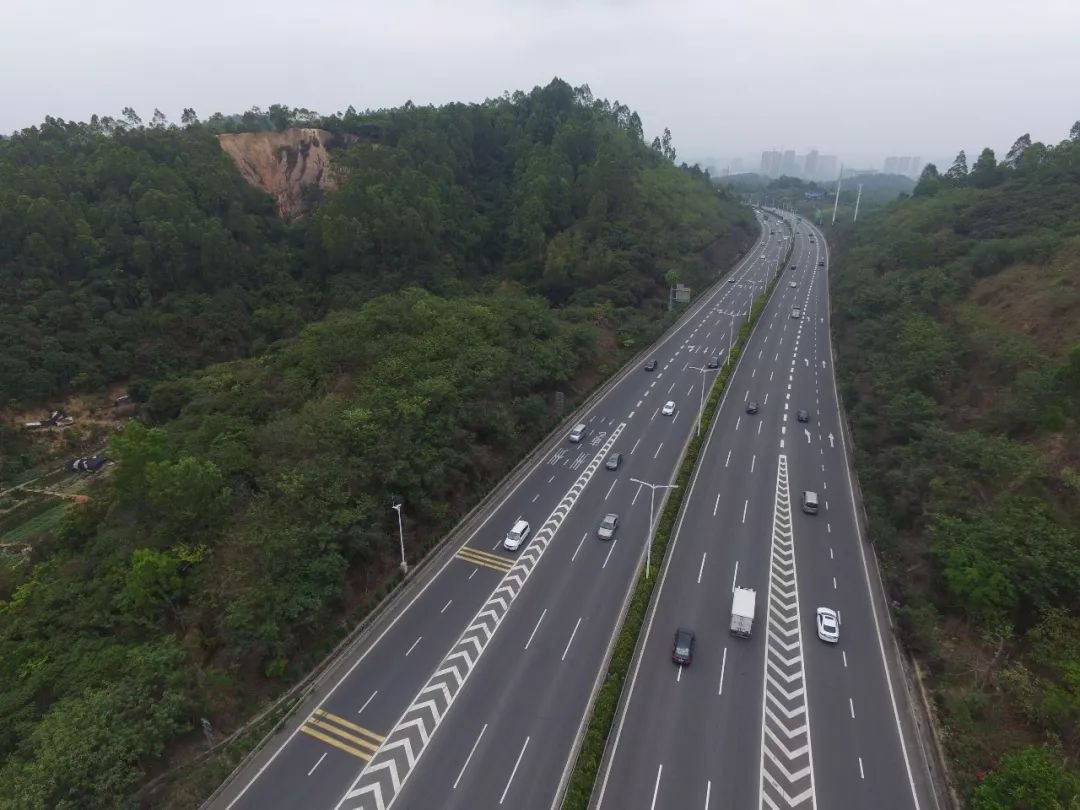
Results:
<point x="714" y="362"/>
<point x="794" y="267"/>
<point x="821" y="263"/>
<point x="650" y="366"/>
<point x="803" y="416"/>
<point x="751" y="407"/>
<point x="613" y="461"/>
<point x="682" y="652"/>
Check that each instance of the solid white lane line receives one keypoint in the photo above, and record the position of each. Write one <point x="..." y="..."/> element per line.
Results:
<point x="576" y="550"/>
<point x="608" y="555"/>
<point x="613" y="483"/>
<point x="469" y="757"/>
<point x="702" y="568"/>
<point x="717" y="504"/>
<point x="537" y="627"/>
<point x="656" y="789"/>
<point x="632" y="449"/>
<point x="413" y="647"/>
<point x="572" y="634"/>
<point x="317" y="764"/>
<point x="444" y="607"/>
<point x="657" y="453"/>
<point x="723" y="666"/>
<point x="513" y="772"/>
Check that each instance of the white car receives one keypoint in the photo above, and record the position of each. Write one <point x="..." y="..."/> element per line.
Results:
<point x="796" y="313"/>
<point x="828" y="625"/>
<point x="792" y="284"/>
<point x="669" y="408"/>
<point x="763" y="255"/>
<point x="517" y="535"/>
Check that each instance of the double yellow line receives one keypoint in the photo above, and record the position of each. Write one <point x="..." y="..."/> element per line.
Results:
<point x="478" y="557"/>
<point x="343" y="735"/>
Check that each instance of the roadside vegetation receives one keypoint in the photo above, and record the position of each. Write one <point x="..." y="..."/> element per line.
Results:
<point x="957" y="318"/>
<point x="403" y="343"/>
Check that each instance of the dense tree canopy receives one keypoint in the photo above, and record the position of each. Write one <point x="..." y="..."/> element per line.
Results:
<point x="958" y="327"/>
<point x="402" y="343"/>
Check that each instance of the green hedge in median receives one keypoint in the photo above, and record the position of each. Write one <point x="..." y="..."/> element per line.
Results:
<point x="579" y="791"/>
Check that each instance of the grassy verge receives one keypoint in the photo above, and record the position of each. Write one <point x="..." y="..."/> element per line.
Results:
<point x="579" y="791"/>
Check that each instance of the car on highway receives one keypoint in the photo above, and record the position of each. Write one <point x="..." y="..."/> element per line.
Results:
<point x="821" y="263"/>
<point x="578" y="433"/>
<point x="714" y="362"/>
<point x="796" y="313"/>
<point x="682" y="651"/>
<point x="731" y="280"/>
<point x="794" y="267"/>
<point x="669" y="408"/>
<point x="517" y="535"/>
<point x="802" y="415"/>
<point x="608" y="526"/>
<point x="752" y="406"/>
<point x="828" y="625"/>
<point x="650" y="366"/>
<point x="613" y="461"/>
<point x="809" y="502"/>
<point x="793" y="284"/>
<point x="762" y="255"/>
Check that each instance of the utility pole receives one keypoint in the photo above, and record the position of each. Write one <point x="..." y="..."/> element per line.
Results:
<point x="649" y="533"/>
<point x="836" y="202"/>
<point x="857" y="198"/>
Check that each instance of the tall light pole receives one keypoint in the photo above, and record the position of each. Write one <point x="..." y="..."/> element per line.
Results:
<point x="401" y="536"/>
<point x="701" y="405"/>
<point x="649" y="533"/>
<point x="730" y="340"/>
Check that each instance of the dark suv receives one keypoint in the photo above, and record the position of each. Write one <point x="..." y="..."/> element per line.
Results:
<point x="682" y="652"/>
<point x="650" y="366"/>
<point x="751" y="407"/>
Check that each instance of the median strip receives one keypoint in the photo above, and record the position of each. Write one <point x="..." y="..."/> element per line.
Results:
<point x="605" y="706"/>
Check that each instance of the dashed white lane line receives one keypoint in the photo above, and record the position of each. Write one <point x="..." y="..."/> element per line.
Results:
<point x="317" y="764"/>
<point x="632" y="449"/>
<point x="861" y="774"/>
<point x="640" y="486"/>
<point x="473" y="574"/>
<point x="702" y="568"/>
<point x="537" y="627"/>
<point x="738" y="422"/>
<point x="608" y="555"/>
<point x="753" y="460"/>
<point x="716" y="505"/>
<point x="513" y="772"/>
<point x="746" y="504"/>
<point x="735" y="576"/>
<point x="723" y="666"/>
<point x="851" y="705"/>
<point x="576" y="550"/>
<point x="469" y="757"/>
<point x="444" y="607"/>
<point x="708" y="783"/>
<point x="536" y="497"/>
<point x="573" y="633"/>
<point x="613" y="483"/>
<point x="413" y="647"/>
<point x="656" y="788"/>
<point x="657" y="453"/>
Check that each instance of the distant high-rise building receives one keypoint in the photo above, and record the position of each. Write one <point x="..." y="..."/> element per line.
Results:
<point x="810" y="165"/>
<point x="915" y="167"/>
<point x="788" y="167"/>
<point x="770" y="163"/>
<point x="906" y="165"/>
<point x="735" y="166"/>
<point x="828" y="167"/>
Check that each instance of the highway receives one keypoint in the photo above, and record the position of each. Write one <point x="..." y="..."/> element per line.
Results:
<point x="782" y="719"/>
<point x="473" y="691"/>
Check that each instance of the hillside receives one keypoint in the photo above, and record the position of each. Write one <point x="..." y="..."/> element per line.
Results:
<point x="957" y="318"/>
<point x="403" y="343"/>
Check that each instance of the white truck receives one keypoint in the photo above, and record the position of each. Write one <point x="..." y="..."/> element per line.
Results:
<point x="742" y="612"/>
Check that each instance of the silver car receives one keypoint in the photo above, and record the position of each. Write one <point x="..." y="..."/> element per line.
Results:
<point x="608" y="526"/>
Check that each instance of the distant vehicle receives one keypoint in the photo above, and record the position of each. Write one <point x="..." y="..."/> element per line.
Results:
<point x="763" y="255"/>
<point x="731" y="280"/>
<point x="608" y="526"/>
<point x="803" y="415"/>
<point x="517" y="535"/>
<point x="578" y="433"/>
<point x="669" y="408"/>
<point x="752" y="407"/>
<point x="793" y="284"/>
<point x="742" y="612"/>
<point x="821" y="263"/>
<point x="828" y="625"/>
<point x="796" y="313"/>
<point x="682" y="651"/>
<point x="714" y="362"/>
<point x="794" y="267"/>
<point x="650" y="366"/>
<point x="613" y="461"/>
<point x="89" y="463"/>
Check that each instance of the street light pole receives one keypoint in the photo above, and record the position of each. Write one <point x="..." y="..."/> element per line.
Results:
<point x="401" y="536"/>
<point x="701" y="405"/>
<point x="649" y="533"/>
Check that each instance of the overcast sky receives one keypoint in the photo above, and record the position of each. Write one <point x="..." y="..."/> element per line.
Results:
<point x="858" y="78"/>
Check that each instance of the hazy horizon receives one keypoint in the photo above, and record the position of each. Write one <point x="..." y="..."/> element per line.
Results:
<point x="849" y="80"/>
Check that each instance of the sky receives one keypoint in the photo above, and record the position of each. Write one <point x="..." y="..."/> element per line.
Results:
<point x="858" y="78"/>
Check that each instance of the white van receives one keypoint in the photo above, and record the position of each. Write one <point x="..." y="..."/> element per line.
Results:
<point x="809" y="502"/>
<point x="578" y="433"/>
<point x="517" y="535"/>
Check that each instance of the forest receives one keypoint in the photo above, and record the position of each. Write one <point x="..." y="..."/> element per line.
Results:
<point x="957" y="322"/>
<point x="403" y="343"/>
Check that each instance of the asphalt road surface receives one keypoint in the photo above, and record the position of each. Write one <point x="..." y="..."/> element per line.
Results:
<point x="782" y="719"/>
<point x="472" y="693"/>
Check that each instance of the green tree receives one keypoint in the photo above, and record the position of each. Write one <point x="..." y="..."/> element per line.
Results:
<point x="985" y="172"/>
<point x="1030" y="779"/>
<point x="958" y="172"/>
<point x="929" y="182"/>
<point x="1016" y="152"/>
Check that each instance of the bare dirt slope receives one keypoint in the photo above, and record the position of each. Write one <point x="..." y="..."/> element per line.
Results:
<point x="283" y="164"/>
